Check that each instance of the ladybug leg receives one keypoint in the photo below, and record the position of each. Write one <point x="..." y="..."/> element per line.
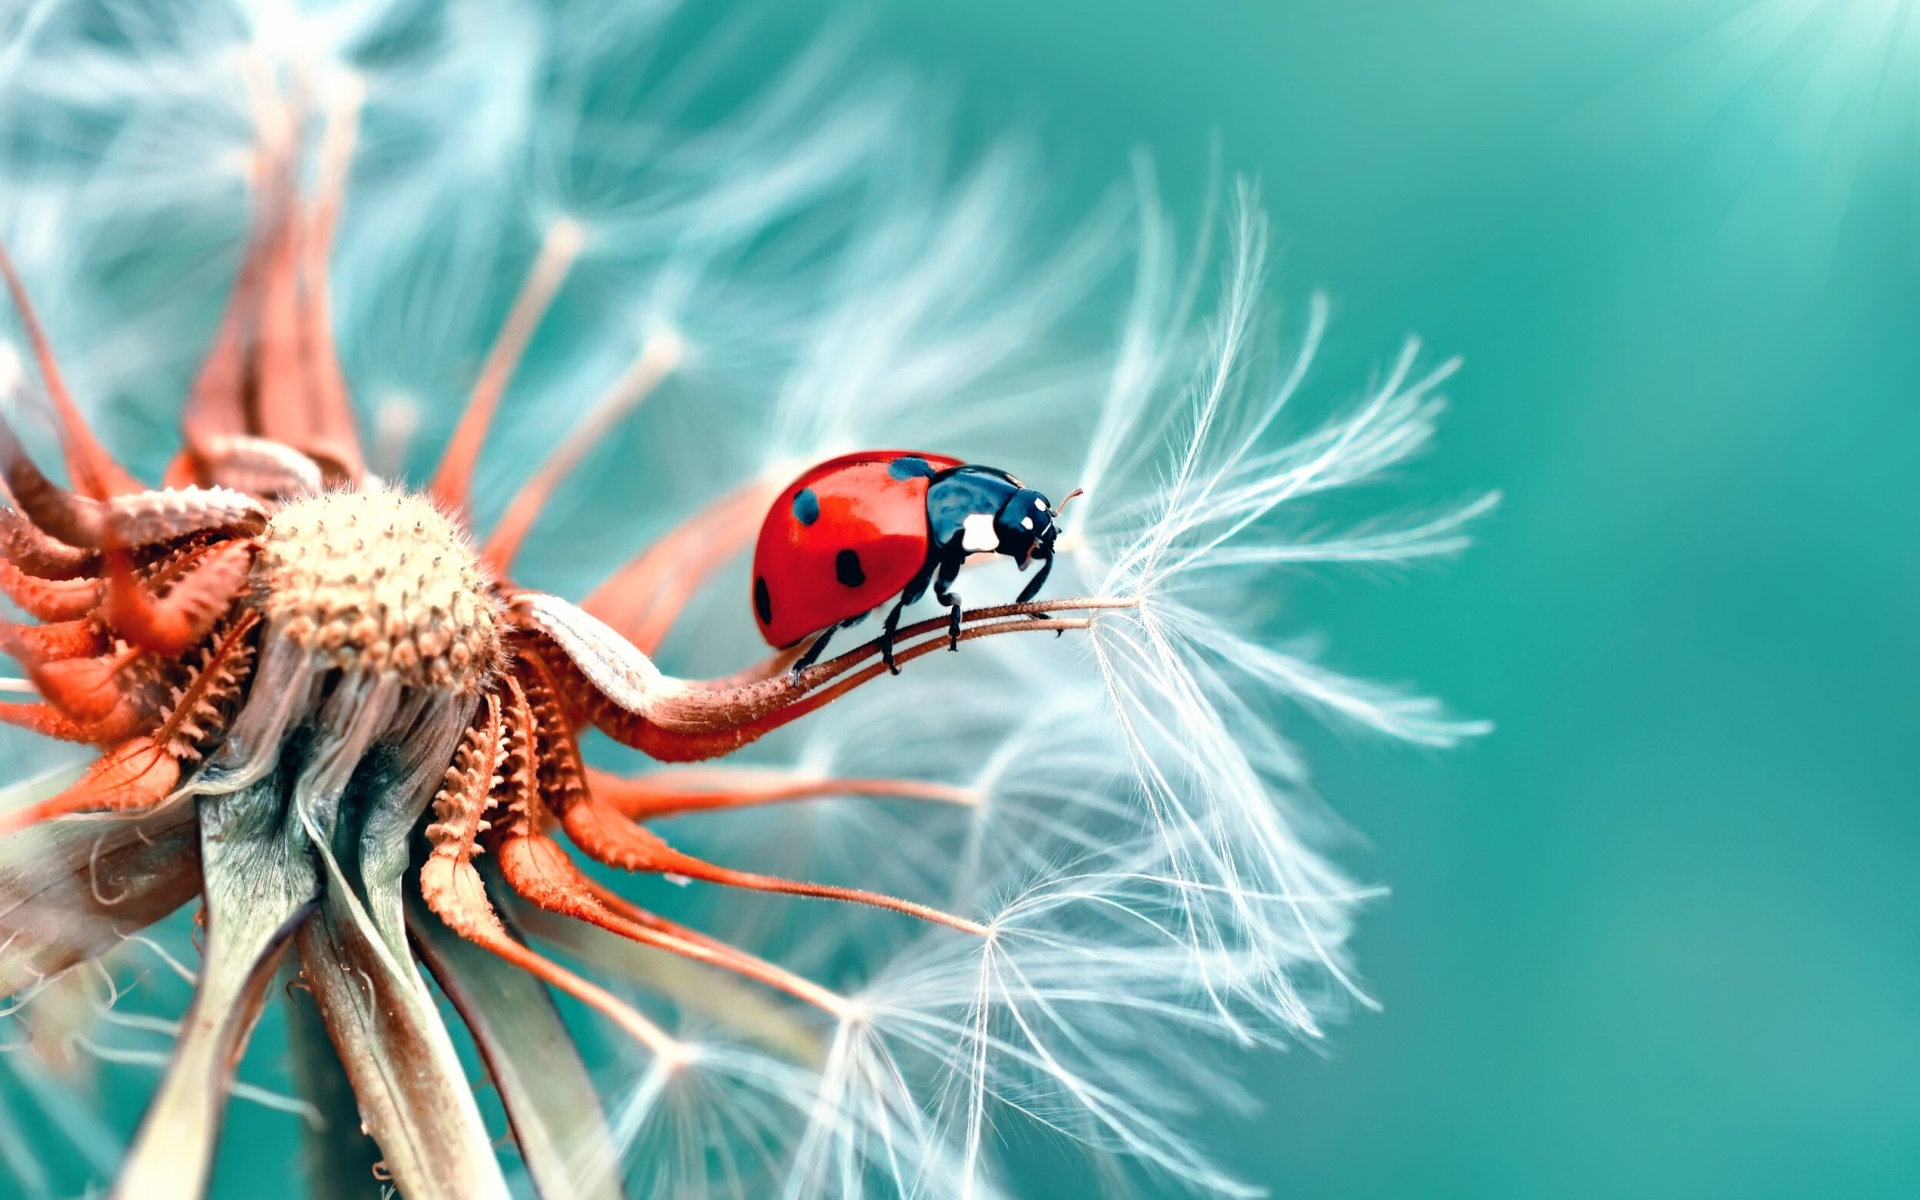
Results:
<point x="888" y="632"/>
<point x="1032" y="589"/>
<point x="952" y="604"/>
<point x="943" y="592"/>
<point x="813" y="652"/>
<point x="1039" y="580"/>
<point x="915" y="589"/>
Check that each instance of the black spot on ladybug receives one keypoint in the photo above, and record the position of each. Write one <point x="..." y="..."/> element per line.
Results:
<point x="806" y="506"/>
<point x="846" y="568"/>
<point x="762" y="600"/>
<point x="910" y="467"/>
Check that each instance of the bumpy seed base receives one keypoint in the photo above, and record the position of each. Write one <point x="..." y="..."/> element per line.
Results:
<point x="381" y="581"/>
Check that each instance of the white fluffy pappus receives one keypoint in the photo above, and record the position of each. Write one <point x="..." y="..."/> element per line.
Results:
<point x="1136" y="844"/>
<point x="1124" y="813"/>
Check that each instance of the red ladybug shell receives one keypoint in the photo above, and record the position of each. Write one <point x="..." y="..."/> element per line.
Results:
<point x="865" y="541"/>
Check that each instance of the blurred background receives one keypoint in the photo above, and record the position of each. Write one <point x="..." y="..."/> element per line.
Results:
<point x="1659" y="935"/>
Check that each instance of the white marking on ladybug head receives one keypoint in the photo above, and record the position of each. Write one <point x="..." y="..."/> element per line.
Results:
<point x="976" y="534"/>
<point x="1040" y="502"/>
<point x="1026" y="522"/>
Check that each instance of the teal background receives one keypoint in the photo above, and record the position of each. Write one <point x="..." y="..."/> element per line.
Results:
<point x="1659" y="935"/>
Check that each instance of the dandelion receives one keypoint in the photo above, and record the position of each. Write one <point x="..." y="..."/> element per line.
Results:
<point x="1019" y="885"/>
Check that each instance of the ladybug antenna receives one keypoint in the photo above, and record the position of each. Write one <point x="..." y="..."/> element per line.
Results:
<point x="1062" y="506"/>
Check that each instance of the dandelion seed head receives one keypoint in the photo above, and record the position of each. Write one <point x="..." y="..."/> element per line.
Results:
<point x="381" y="581"/>
<point x="1120" y="815"/>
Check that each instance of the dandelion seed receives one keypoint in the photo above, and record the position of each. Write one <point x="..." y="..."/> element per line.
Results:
<point x="1022" y="882"/>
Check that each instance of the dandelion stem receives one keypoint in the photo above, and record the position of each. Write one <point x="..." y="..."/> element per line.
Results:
<point x="339" y="1154"/>
<point x="94" y="471"/>
<point x="981" y="622"/>
<point x="820" y="673"/>
<point x="330" y="428"/>
<point x="692" y="944"/>
<point x="657" y="359"/>
<point x="453" y="482"/>
<point x="815" y="676"/>
<point x="668" y="793"/>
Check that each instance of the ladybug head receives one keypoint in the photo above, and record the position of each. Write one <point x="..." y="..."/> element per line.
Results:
<point x="975" y="509"/>
<point x="1026" y="528"/>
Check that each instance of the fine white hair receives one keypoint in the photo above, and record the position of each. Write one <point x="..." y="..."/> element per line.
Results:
<point x="1145" y="844"/>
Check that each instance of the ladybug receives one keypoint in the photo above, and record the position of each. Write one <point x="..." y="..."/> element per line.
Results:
<point x="864" y="528"/>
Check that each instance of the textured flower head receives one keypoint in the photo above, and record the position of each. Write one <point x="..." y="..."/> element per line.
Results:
<point x="491" y="312"/>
